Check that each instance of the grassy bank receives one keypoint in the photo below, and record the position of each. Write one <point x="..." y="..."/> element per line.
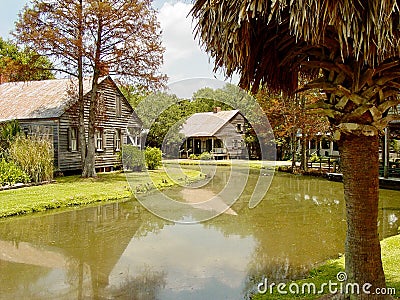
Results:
<point x="328" y="272"/>
<point x="73" y="190"/>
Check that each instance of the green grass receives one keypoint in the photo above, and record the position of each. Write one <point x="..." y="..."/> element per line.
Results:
<point x="72" y="191"/>
<point x="329" y="270"/>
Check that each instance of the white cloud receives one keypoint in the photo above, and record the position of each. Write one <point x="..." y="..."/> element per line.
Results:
<point x="183" y="57"/>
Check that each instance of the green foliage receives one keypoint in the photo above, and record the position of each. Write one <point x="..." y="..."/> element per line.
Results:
<point x="8" y="133"/>
<point x="193" y="156"/>
<point x="134" y="94"/>
<point x="132" y="158"/>
<point x="34" y="156"/>
<point x="395" y="145"/>
<point x="205" y="156"/>
<point x="10" y="173"/>
<point x="153" y="157"/>
<point x="22" y="65"/>
<point x="314" y="158"/>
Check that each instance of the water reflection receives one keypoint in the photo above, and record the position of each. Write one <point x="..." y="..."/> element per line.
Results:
<point x="121" y="251"/>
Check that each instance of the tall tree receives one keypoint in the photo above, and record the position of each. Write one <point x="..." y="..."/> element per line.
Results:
<point x="126" y="41"/>
<point x="48" y="28"/>
<point x="22" y="65"/>
<point x="105" y="37"/>
<point x="287" y="117"/>
<point x="351" y="51"/>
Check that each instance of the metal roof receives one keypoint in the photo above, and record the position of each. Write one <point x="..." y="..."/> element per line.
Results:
<point x="38" y="99"/>
<point x="207" y="124"/>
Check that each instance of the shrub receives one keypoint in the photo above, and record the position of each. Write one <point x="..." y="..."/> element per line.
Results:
<point x="34" y="156"/>
<point x="9" y="132"/>
<point x="193" y="156"/>
<point x="205" y="156"/>
<point x="132" y="158"/>
<point x="153" y="157"/>
<point x="10" y="173"/>
<point x="314" y="158"/>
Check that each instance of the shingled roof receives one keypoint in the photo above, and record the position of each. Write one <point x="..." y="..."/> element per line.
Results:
<point x="207" y="124"/>
<point x="38" y="99"/>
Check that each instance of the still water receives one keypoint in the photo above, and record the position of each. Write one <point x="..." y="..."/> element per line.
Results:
<point x="121" y="251"/>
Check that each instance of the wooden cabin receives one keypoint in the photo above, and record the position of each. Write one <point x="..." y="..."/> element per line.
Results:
<point x="220" y="133"/>
<point x="49" y="109"/>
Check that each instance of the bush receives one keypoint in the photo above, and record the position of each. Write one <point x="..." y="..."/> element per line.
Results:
<point x="153" y="157"/>
<point x="10" y="173"/>
<point x="205" y="156"/>
<point x="314" y="158"/>
<point x="132" y="158"/>
<point x="34" y="156"/>
<point x="193" y="156"/>
<point x="8" y="133"/>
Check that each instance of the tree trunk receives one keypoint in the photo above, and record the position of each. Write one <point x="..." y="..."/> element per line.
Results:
<point x="293" y="149"/>
<point x="82" y="131"/>
<point x="89" y="169"/>
<point x="360" y="167"/>
<point x="303" y="165"/>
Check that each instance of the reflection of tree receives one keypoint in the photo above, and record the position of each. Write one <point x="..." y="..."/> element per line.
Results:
<point x="144" y="286"/>
<point x="296" y="226"/>
<point x="17" y="279"/>
<point x="91" y="241"/>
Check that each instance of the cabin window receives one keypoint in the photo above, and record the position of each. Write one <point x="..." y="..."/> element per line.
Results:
<point x="72" y="139"/>
<point x="118" y="106"/>
<point x="117" y="140"/>
<point x="99" y="136"/>
<point x="235" y="144"/>
<point x="239" y="127"/>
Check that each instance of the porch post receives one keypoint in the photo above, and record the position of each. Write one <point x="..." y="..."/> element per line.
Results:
<point x="386" y="154"/>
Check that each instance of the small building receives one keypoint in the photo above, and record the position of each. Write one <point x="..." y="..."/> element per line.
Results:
<point x="322" y="144"/>
<point x="220" y="133"/>
<point x="49" y="109"/>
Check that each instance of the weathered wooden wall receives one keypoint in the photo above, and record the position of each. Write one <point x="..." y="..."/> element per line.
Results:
<point x="229" y="134"/>
<point x="108" y="122"/>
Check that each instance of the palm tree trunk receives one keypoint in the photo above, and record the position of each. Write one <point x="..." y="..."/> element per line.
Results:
<point x="360" y="167"/>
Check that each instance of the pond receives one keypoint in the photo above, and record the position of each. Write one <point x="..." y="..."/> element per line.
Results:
<point x="122" y="251"/>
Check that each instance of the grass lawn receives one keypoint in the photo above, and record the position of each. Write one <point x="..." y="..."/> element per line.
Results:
<point x="329" y="270"/>
<point x="73" y="190"/>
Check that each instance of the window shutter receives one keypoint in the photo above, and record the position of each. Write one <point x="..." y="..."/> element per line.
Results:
<point x="69" y="139"/>
<point x="115" y="139"/>
<point x="103" y="137"/>
<point x="77" y="138"/>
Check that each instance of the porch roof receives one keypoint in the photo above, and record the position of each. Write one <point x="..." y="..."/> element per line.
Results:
<point x="207" y="123"/>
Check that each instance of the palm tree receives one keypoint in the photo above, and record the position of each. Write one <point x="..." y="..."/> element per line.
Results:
<point x="350" y="50"/>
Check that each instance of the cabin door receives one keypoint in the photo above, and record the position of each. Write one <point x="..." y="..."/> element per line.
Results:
<point x="197" y="146"/>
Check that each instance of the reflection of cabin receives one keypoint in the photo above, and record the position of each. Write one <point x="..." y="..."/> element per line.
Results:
<point x="49" y="109"/>
<point x="220" y="133"/>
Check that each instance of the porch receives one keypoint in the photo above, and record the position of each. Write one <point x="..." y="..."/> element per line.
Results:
<point x="198" y="145"/>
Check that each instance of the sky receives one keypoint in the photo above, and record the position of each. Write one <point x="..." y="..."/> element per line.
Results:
<point x="183" y="58"/>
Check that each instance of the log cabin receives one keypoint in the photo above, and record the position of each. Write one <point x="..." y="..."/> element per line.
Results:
<point x="49" y="109"/>
<point x="221" y="133"/>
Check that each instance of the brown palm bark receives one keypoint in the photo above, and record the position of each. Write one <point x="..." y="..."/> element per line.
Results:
<point x="360" y="166"/>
